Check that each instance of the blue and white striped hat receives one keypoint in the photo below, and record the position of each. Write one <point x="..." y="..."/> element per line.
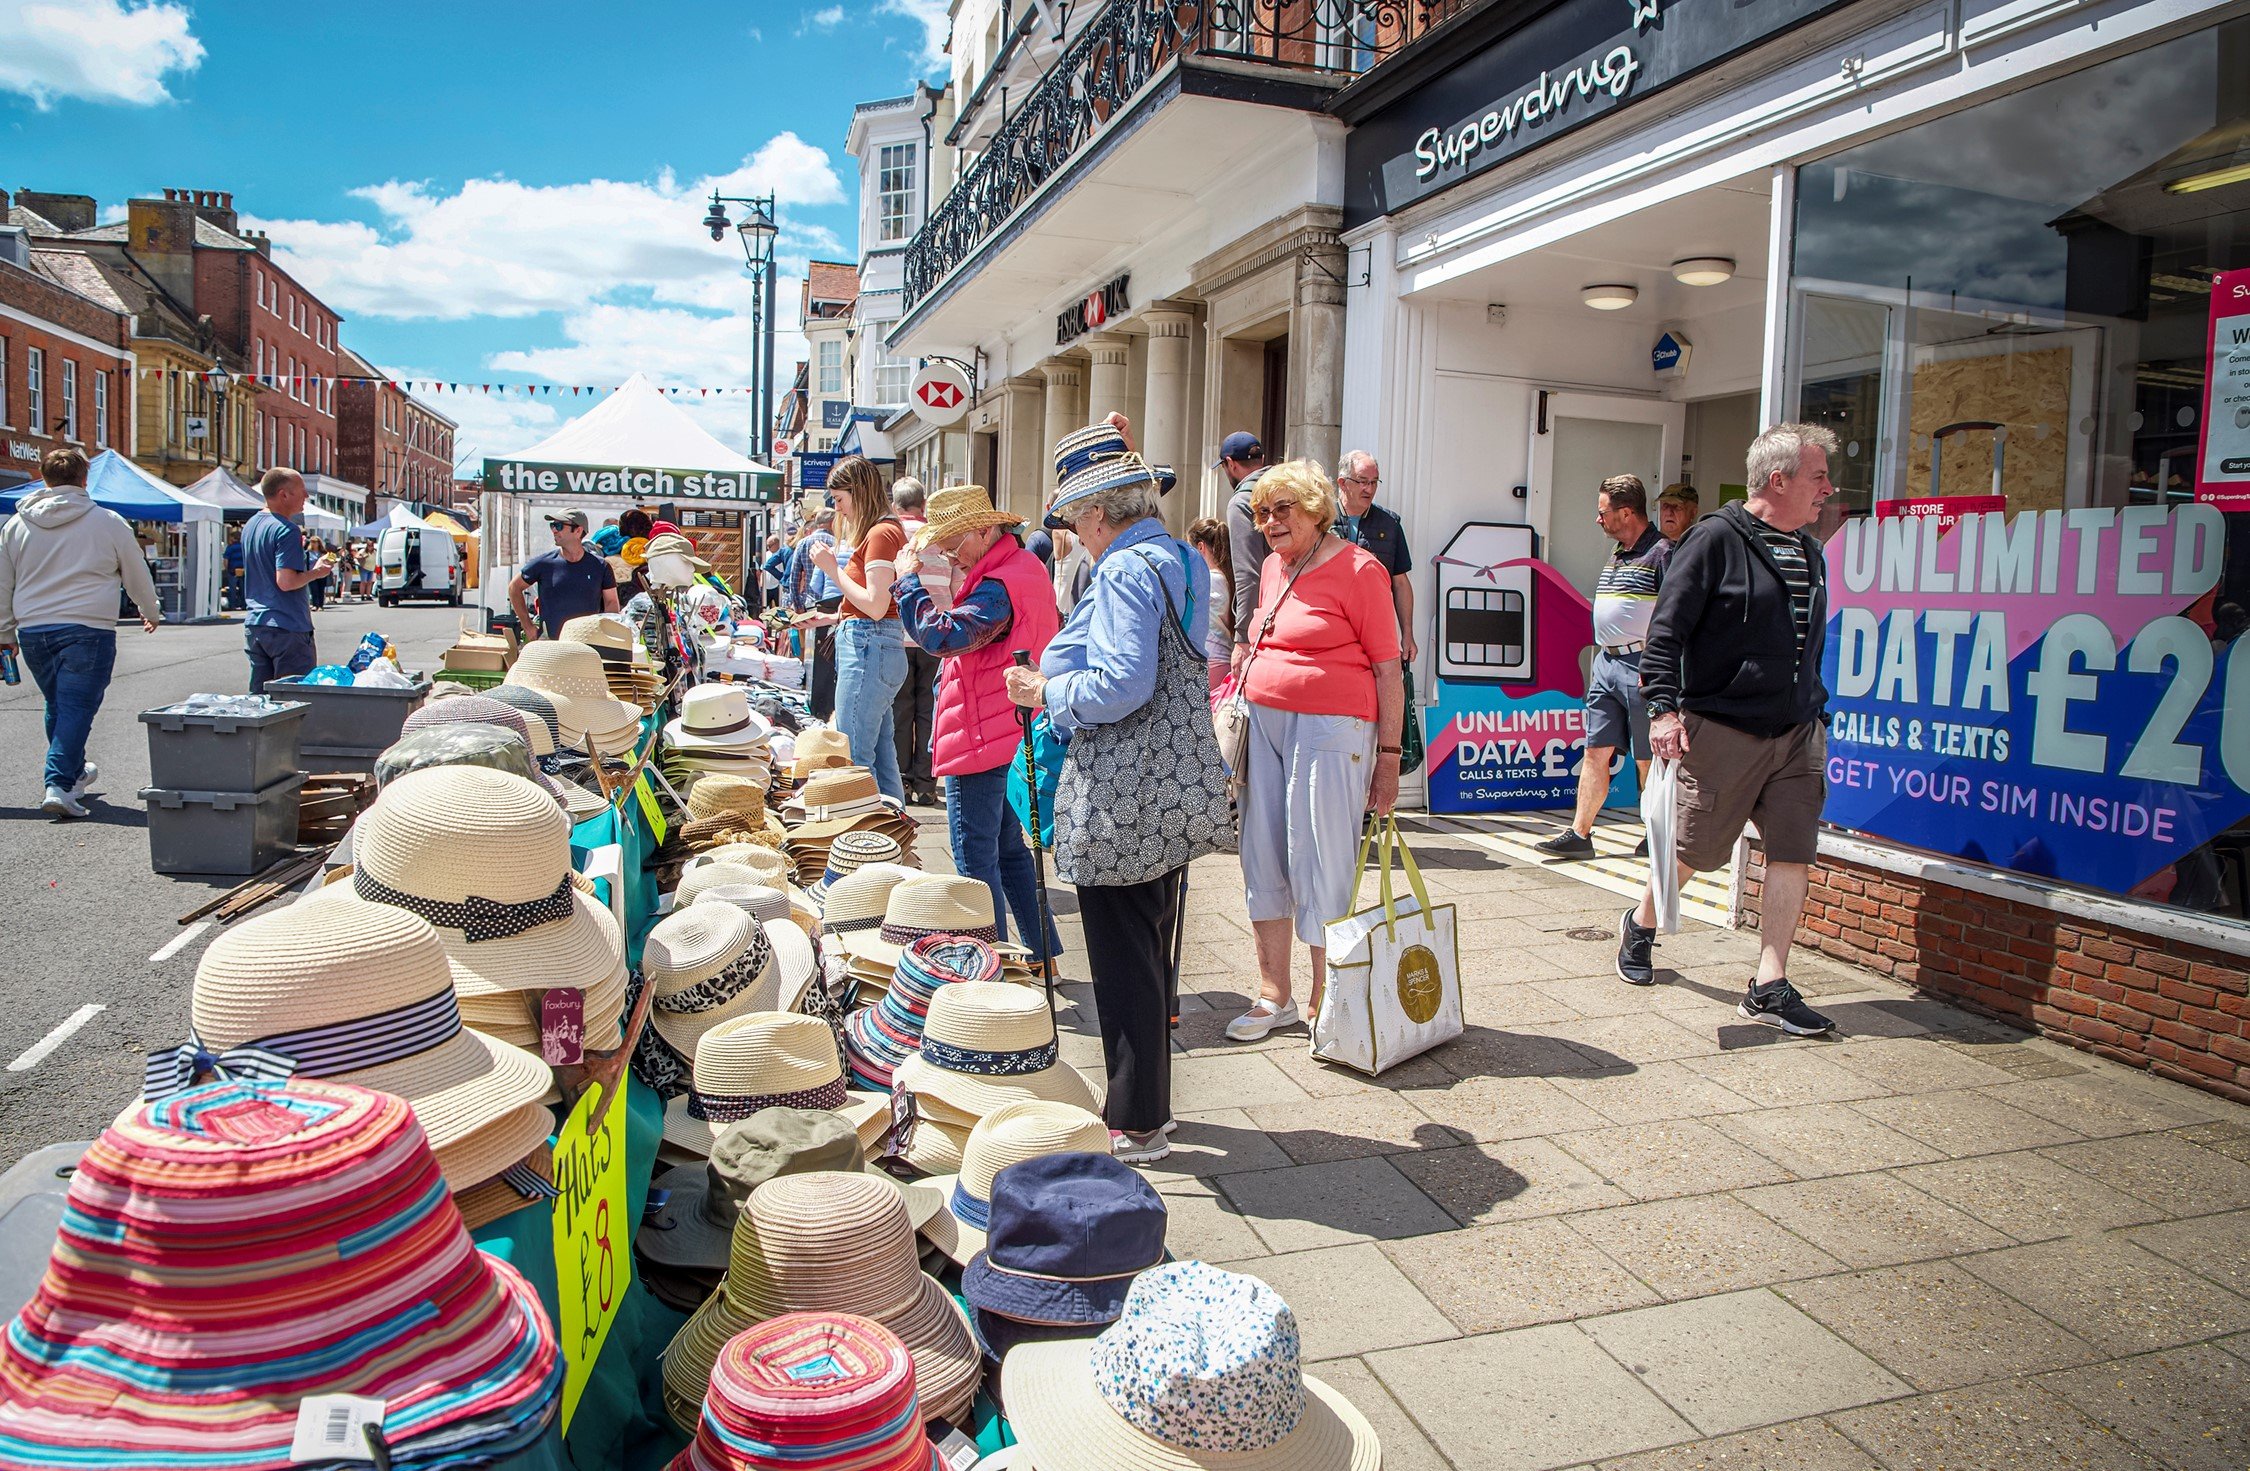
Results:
<point x="1094" y="459"/>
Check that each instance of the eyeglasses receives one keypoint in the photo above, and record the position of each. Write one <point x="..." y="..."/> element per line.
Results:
<point x="1272" y="510"/>
<point x="1359" y="480"/>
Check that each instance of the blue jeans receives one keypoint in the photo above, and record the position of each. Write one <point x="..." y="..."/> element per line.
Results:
<point x="870" y="666"/>
<point x="71" y="665"/>
<point x="988" y="844"/>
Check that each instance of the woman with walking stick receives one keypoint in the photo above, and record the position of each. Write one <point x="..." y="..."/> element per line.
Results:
<point x="969" y="593"/>
<point x="1142" y="791"/>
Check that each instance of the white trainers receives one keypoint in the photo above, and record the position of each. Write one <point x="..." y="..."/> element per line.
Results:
<point x="1254" y="1024"/>
<point x="85" y="780"/>
<point x="60" y="803"/>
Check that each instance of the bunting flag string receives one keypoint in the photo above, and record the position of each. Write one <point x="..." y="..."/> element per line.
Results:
<point x="301" y="381"/>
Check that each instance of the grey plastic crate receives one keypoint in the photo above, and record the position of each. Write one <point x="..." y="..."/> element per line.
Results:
<point x="31" y="1210"/>
<point x="338" y="758"/>
<point x="222" y="832"/>
<point x="222" y="753"/>
<point x="350" y="716"/>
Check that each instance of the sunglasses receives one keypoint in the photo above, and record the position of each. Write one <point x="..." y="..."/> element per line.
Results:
<point x="1272" y="510"/>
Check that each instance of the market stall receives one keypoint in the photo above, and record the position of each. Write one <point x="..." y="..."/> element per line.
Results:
<point x="180" y="533"/>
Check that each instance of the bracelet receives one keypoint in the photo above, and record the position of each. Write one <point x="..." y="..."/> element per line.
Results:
<point x="1388" y="750"/>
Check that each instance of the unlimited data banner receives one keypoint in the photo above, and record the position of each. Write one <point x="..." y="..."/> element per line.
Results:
<point x="2054" y="692"/>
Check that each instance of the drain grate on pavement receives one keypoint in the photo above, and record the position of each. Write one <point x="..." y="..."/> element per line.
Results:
<point x="1589" y="932"/>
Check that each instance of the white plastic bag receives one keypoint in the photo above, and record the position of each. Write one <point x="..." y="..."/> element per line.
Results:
<point x="382" y="674"/>
<point x="1660" y="812"/>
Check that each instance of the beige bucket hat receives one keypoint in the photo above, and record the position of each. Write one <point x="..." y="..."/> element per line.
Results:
<point x="795" y="961"/>
<point x="1029" y="1128"/>
<point x="361" y="993"/>
<point x="924" y="904"/>
<point x="987" y="1043"/>
<point x="570" y="676"/>
<point x="673" y="543"/>
<point x="766" y="1059"/>
<point x="818" y="748"/>
<point x="837" y="1241"/>
<point x="485" y="858"/>
<point x="706" y="964"/>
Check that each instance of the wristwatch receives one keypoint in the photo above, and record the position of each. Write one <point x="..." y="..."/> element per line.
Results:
<point x="1388" y="751"/>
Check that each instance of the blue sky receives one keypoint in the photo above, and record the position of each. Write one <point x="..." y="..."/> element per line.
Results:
<point x="497" y="192"/>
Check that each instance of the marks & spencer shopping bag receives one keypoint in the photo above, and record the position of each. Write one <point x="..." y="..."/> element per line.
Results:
<point x="1394" y="972"/>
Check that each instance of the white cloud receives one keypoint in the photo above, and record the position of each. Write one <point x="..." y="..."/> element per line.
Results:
<point x="94" y="50"/>
<point x="823" y="20"/>
<point x="936" y="22"/>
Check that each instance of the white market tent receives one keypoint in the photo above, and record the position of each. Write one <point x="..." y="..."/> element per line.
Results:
<point x="635" y="429"/>
<point x="222" y="488"/>
<point x="399" y="514"/>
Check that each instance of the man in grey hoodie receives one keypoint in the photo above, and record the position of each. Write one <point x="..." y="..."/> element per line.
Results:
<point x="62" y="560"/>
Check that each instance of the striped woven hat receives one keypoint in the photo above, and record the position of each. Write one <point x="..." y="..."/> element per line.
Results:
<point x="829" y="1241"/>
<point x="855" y="850"/>
<point x="484" y="710"/>
<point x="233" y="1250"/>
<point x="880" y="1037"/>
<point x="1094" y="459"/>
<point x="768" y="1059"/>
<point x="811" y="1392"/>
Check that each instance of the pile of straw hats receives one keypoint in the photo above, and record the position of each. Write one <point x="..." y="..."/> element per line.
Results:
<point x="718" y="731"/>
<point x="1028" y="1129"/>
<point x="811" y="1392"/>
<point x="832" y="803"/>
<point x="984" y="1044"/>
<point x="855" y="904"/>
<point x="795" y="961"/>
<point x="234" y="1250"/>
<point x="726" y="808"/>
<point x="878" y="1038"/>
<point x="570" y="676"/>
<point x="767" y="1059"/>
<point x="830" y="1241"/>
<point x="625" y="661"/>
<point x="484" y="857"/>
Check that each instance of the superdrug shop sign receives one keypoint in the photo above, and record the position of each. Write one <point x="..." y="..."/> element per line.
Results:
<point x="1093" y="311"/>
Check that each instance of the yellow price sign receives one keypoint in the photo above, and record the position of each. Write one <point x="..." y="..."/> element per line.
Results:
<point x="593" y="1252"/>
<point x="646" y="792"/>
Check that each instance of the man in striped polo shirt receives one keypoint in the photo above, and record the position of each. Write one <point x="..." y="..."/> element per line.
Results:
<point x="1624" y="600"/>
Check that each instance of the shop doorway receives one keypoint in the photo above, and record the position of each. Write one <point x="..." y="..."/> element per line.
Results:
<point x="1714" y="456"/>
<point x="1579" y="440"/>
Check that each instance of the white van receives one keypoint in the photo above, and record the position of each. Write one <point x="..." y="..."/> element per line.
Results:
<point x="417" y="562"/>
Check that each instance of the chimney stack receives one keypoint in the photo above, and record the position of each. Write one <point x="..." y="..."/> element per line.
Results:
<point x="68" y="212"/>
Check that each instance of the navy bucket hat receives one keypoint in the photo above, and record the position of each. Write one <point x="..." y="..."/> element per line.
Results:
<point x="1069" y="1234"/>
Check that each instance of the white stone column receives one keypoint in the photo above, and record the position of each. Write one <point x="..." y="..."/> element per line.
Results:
<point x="1164" y="434"/>
<point x="1107" y="392"/>
<point x="1066" y="408"/>
<point x="1023" y="464"/>
<point x="1316" y="351"/>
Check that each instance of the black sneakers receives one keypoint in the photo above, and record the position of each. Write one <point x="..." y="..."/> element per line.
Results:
<point x="1567" y="844"/>
<point x="1776" y="1004"/>
<point x="1636" y="953"/>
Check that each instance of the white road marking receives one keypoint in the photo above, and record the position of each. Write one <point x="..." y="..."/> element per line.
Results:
<point x="37" y="1052"/>
<point x="179" y="942"/>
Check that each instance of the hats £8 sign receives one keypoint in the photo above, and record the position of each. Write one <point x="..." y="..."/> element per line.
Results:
<point x="939" y="393"/>
<point x="593" y="1236"/>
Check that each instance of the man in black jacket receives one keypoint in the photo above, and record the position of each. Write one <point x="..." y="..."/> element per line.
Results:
<point x="1731" y="675"/>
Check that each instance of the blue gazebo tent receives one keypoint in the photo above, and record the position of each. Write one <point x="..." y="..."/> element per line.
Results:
<point x="124" y="487"/>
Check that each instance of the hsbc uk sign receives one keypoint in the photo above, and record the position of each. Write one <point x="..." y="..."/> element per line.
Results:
<point x="1092" y="312"/>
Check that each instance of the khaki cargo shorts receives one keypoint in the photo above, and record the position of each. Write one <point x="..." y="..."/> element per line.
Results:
<point x="1730" y="777"/>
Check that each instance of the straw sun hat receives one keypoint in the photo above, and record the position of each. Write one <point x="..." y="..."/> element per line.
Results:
<point x="570" y="676"/>
<point x="1027" y="1129"/>
<point x="360" y="993"/>
<point x="829" y="1242"/>
<point x="924" y="904"/>
<point x="795" y="962"/>
<point x="772" y="869"/>
<point x="987" y="1043"/>
<point x="958" y="509"/>
<point x="1201" y="1370"/>
<point x="818" y="748"/>
<point x="718" y="717"/>
<point x="811" y="1392"/>
<point x="767" y="1059"/>
<point x="834" y="802"/>
<point x="706" y="964"/>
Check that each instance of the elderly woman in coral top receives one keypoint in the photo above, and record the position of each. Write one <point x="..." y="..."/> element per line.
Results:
<point x="1326" y="708"/>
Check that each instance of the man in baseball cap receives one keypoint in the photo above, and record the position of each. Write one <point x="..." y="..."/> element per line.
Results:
<point x="572" y="581"/>
<point x="1244" y="460"/>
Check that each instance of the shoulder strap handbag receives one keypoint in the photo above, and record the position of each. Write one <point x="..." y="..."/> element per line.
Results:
<point x="1230" y="718"/>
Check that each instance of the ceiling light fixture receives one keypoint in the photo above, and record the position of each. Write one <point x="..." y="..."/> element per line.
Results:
<point x="2213" y="179"/>
<point x="1703" y="270"/>
<point x="1611" y="298"/>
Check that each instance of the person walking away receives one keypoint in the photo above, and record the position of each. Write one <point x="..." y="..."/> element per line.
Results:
<point x="276" y="570"/>
<point x="970" y="596"/>
<point x="870" y="644"/>
<point x="1732" y="679"/>
<point x="1103" y="668"/>
<point x="316" y="592"/>
<point x="63" y="562"/>
<point x="914" y="712"/>
<point x="1209" y="536"/>
<point x="1327" y="705"/>
<point x="1243" y="459"/>
<point x="572" y="581"/>
<point x="234" y="570"/>
<point x="1379" y="531"/>
<point x="1677" y="509"/>
<point x="815" y="599"/>
<point x="1624" y="600"/>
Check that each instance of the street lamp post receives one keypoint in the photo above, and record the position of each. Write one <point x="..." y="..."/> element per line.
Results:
<point x="221" y="381"/>
<point x="757" y="231"/>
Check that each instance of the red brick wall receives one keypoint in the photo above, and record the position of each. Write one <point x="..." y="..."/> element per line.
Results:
<point x="36" y="297"/>
<point x="226" y="286"/>
<point x="2177" y="1010"/>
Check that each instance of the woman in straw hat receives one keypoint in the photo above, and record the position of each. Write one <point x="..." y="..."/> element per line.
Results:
<point x="1139" y="797"/>
<point x="870" y="645"/>
<point x="969" y="593"/>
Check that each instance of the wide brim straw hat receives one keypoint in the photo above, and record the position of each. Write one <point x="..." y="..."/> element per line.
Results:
<point x="835" y="802"/>
<point x="772" y="869"/>
<point x="924" y="904"/>
<point x="767" y="1059"/>
<point x="608" y="635"/>
<point x="857" y="901"/>
<point x="986" y="1043"/>
<point x="1060" y="1417"/>
<point x="719" y="717"/>
<point x="795" y="960"/>
<point x="233" y="1251"/>
<point x="481" y="709"/>
<point x="706" y="964"/>
<point x="719" y="793"/>
<point x="513" y="1016"/>
<point x="818" y="748"/>
<point x="570" y="676"/>
<point x="837" y="1242"/>
<point x="958" y="509"/>
<point x="1026" y="1129"/>
<point x="330" y="983"/>
<point x="807" y="1391"/>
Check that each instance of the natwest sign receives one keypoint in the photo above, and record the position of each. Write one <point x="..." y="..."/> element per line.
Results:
<point x="1093" y="312"/>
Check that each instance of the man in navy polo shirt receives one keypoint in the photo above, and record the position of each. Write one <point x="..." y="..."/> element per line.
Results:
<point x="571" y="580"/>
<point x="276" y="571"/>
<point x="1380" y="532"/>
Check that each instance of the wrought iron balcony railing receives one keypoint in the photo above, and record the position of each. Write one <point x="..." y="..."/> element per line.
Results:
<point x="1124" y="48"/>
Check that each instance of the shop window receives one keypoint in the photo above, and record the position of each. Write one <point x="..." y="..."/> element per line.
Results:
<point x="892" y="375"/>
<point x="101" y="410"/>
<point x="70" y="400"/>
<point x="5" y="421"/>
<point x="2039" y="584"/>
<point x="35" y="380"/>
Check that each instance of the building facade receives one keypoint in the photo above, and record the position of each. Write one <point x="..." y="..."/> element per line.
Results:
<point x="429" y="451"/>
<point x="896" y="143"/>
<point x="824" y="315"/>
<point x="66" y="364"/>
<point x="1992" y="246"/>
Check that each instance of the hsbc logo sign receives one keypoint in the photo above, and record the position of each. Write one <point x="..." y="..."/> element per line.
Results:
<point x="940" y="392"/>
<point x="1093" y="312"/>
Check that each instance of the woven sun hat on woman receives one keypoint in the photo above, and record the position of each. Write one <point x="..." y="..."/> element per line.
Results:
<point x="878" y="1038"/>
<point x="570" y="676"/>
<point x="1094" y="459"/>
<point x="1069" y="1234"/>
<point x="818" y="748"/>
<point x="768" y="1059"/>
<point x="360" y="993"/>
<point x="855" y="850"/>
<point x="1015" y="1132"/>
<point x="986" y="1043"/>
<point x="485" y="858"/>
<point x="829" y="1242"/>
<point x="811" y="1392"/>
<point x="926" y="904"/>
<point x="958" y="509"/>
<point x="794" y="959"/>
<point x="706" y="964"/>
<point x="694" y="1228"/>
<point x="1202" y="1369"/>
<point x="229" y="1253"/>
